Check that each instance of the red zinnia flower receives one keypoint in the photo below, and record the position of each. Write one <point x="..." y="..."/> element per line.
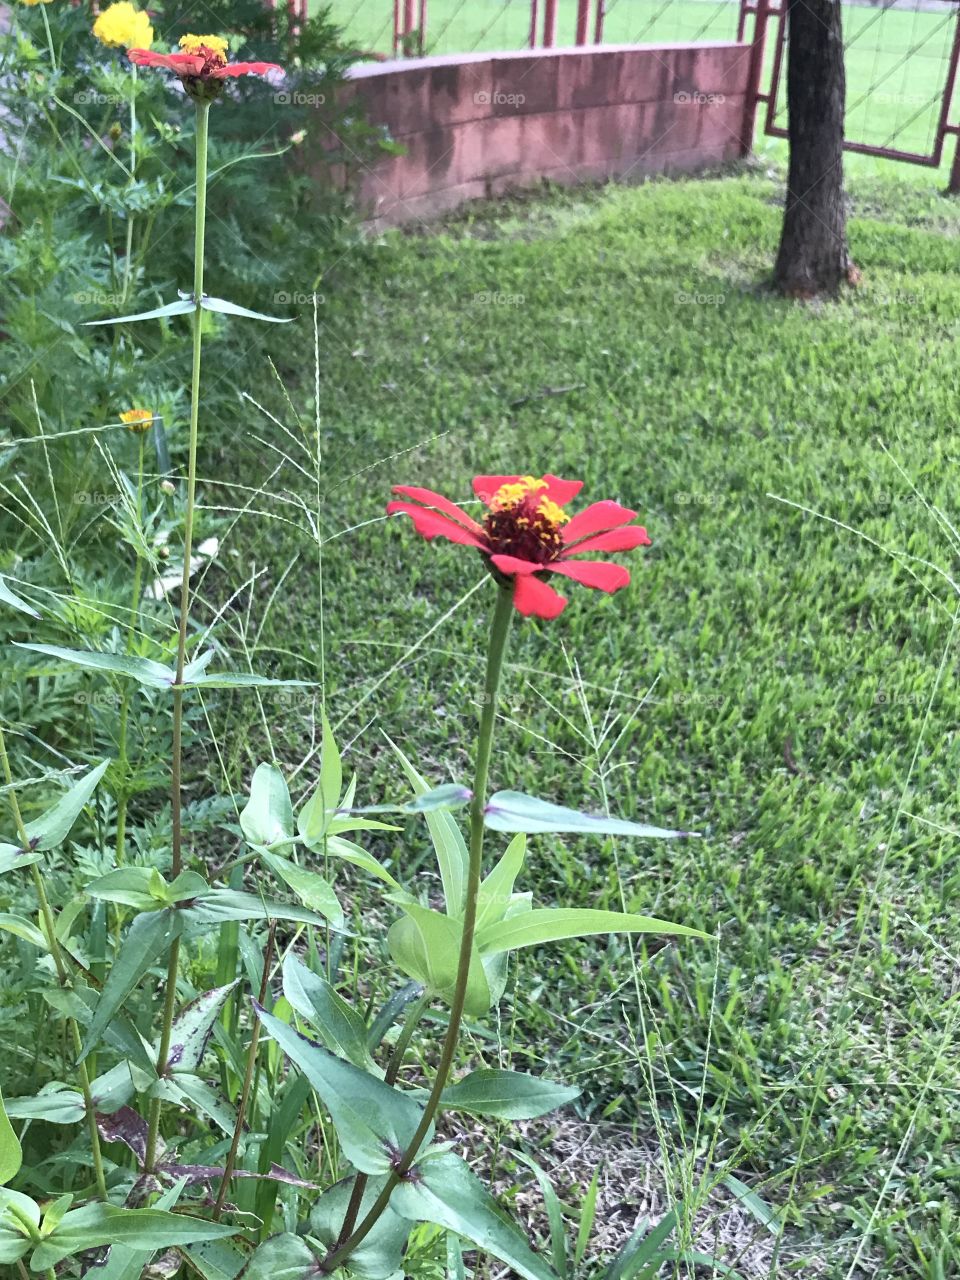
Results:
<point x="526" y="533"/>
<point x="203" y="65"/>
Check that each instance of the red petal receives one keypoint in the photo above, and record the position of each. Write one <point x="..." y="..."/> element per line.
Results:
<point x="245" y="69"/>
<point x="184" y="64"/>
<point x="595" y="519"/>
<point x="614" y="540"/>
<point x="594" y="573"/>
<point x="512" y="565"/>
<point x="486" y="486"/>
<point x="431" y="499"/>
<point x="430" y="524"/>
<point x="531" y="597"/>
<point x="562" y="491"/>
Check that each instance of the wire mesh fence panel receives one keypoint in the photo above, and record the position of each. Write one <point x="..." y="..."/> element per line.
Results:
<point x="900" y="58"/>
<point x="668" y="21"/>
<point x="366" y="24"/>
<point x="467" y="26"/>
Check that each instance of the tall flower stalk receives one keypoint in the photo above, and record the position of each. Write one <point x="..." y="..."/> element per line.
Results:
<point x="176" y="767"/>
<point x="350" y="1236"/>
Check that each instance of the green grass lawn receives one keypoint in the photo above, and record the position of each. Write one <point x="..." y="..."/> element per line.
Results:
<point x="783" y="684"/>
<point x="896" y="58"/>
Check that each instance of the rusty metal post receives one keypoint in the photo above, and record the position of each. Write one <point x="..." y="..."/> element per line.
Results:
<point x="755" y="74"/>
<point x="598" y="28"/>
<point x="422" y="28"/>
<point x="943" y="124"/>
<point x="583" y="20"/>
<point x="550" y="24"/>
<point x="534" y="13"/>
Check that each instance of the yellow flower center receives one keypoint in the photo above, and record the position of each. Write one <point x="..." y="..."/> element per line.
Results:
<point x="205" y="46"/>
<point x="122" y="25"/>
<point x="138" y="420"/>
<point x="524" y="522"/>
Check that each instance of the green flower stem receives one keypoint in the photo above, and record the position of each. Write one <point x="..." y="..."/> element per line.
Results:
<point x="50" y="930"/>
<point x="123" y="796"/>
<point x="176" y="767"/>
<point x="499" y="633"/>
<point x="46" y="27"/>
<point x="231" y="1163"/>
<point x="417" y="1010"/>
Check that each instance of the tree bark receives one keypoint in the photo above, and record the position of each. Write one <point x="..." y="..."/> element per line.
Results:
<point x="813" y="257"/>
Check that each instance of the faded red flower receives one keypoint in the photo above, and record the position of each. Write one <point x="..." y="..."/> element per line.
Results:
<point x="526" y="534"/>
<point x="202" y="66"/>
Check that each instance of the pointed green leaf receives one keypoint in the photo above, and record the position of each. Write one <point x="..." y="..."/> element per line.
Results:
<point x="217" y="905"/>
<point x="380" y="1254"/>
<point x="316" y="814"/>
<point x="310" y="887"/>
<point x="13" y="858"/>
<point x="449" y="796"/>
<point x="755" y="1205"/>
<point x="51" y="829"/>
<point x="9" y="597"/>
<point x="154" y="675"/>
<point x="99" y="1224"/>
<point x="231" y="309"/>
<point x="169" y="309"/>
<point x="426" y="946"/>
<point x="267" y="817"/>
<point x="514" y="811"/>
<point x="150" y="936"/>
<point x="448" y="842"/>
<point x="551" y="1202"/>
<point x="337" y="847"/>
<point x="125" y="1262"/>
<point x="242" y="680"/>
<point x="644" y="1248"/>
<point x="551" y="925"/>
<point x="374" y="1122"/>
<point x="193" y="1026"/>
<point x="194" y="1094"/>
<point x="285" y="1257"/>
<point x="198" y="666"/>
<point x="443" y="1190"/>
<point x="496" y="891"/>
<point x="22" y="928"/>
<point x="142" y="888"/>
<point x="508" y="1095"/>
<point x="340" y="1026"/>
<point x="59" y="1106"/>
<point x="11" y="1157"/>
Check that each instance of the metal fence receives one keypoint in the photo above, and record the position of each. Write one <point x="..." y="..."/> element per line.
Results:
<point x="901" y="61"/>
<point x="902" y="56"/>
<point x="415" y="27"/>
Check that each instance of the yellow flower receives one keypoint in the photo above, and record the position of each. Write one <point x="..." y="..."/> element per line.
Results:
<point x="123" y="25"/>
<point x="138" y="420"/>
<point x="194" y="44"/>
<point x="31" y="3"/>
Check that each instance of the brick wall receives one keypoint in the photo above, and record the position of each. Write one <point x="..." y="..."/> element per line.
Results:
<point x="475" y="125"/>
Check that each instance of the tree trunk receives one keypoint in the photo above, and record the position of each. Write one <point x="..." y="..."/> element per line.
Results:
<point x="813" y="256"/>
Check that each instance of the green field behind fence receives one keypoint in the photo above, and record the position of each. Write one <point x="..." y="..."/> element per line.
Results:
<point x="896" y="58"/>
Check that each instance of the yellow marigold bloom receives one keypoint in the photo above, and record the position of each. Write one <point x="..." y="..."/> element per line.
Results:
<point x="194" y="44"/>
<point x="124" y="26"/>
<point x="138" y="420"/>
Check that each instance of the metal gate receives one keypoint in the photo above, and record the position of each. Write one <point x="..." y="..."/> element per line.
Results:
<point x="901" y="64"/>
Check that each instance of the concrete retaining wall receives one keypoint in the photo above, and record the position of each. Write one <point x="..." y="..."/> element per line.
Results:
<point x="475" y="125"/>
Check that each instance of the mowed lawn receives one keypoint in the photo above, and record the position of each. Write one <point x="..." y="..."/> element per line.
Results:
<point x="784" y="684"/>
<point x="896" y="59"/>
